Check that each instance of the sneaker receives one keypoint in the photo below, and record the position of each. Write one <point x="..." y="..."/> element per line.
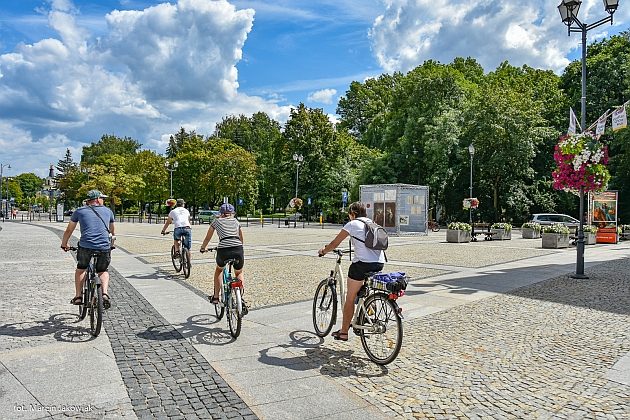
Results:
<point x="245" y="310"/>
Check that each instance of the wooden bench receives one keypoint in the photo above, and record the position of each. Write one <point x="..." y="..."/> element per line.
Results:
<point x="488" y="237"/>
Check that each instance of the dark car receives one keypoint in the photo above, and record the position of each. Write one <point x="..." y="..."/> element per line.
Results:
<point x="68" y="212"/>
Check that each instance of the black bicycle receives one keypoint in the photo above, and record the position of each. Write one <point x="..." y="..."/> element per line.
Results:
<point x="180" y="257"/>
<point x="92" y="295"/>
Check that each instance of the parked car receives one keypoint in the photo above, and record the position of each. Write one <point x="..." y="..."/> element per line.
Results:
<point x="550" y="218"/>
<point x="207" y="216"/>
<point x="68" y="212"/>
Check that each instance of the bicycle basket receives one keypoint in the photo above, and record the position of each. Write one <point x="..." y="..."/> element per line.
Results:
<point x="389" y="282"/>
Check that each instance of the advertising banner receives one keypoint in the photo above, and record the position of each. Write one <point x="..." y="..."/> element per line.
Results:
<point x="604" y="215"/>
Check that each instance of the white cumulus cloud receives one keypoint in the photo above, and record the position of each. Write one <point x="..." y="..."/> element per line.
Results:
<point x="144" y="75"/>
<point x="410" y="32"/>
<point x="324" y="96"/>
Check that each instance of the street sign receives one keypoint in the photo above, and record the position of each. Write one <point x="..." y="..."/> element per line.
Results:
<point x="240" y="201"/>
<point x="344" y="197"/>
<point x="309" y="201"/>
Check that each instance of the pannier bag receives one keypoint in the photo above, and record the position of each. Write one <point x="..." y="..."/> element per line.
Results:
<point x="390" y="282"/>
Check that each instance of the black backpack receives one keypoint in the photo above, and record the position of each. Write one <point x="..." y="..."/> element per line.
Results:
<point x="375" y="236"/>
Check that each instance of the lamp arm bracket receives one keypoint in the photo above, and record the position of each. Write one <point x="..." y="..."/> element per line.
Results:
<point x="600" y="22"/>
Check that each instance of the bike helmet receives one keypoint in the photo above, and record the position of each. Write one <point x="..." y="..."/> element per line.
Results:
<point x="226" y="208"/>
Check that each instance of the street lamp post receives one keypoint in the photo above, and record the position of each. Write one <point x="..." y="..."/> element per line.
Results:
<point x="2" y="166"/>
<point x="298" y="159"/>
<point x="471" y="150"/>
<point x="171" y="168"/>
<point x="568" y="13"/>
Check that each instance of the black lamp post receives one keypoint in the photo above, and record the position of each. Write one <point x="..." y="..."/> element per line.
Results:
<point x="471" y="150"/>
<point x="568" y="13"/>
<point x="171" y="167"/>
<point x="2" y="167"/>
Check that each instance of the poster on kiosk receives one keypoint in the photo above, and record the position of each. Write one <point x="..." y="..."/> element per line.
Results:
<point x="603" y="212"/>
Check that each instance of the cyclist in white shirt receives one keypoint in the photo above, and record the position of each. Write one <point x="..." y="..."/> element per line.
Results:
<point x="365" y="260"/>
<point x="180" y="218"/>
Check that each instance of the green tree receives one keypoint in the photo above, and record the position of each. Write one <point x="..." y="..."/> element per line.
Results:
<point x="30" y="184"/>
<point x="109" y="144"/>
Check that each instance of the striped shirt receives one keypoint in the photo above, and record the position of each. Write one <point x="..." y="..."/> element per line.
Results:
<point x="227" y="229"/>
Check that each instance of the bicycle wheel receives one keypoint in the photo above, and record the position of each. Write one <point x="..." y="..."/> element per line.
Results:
<point x="219" y="307"/>
<point x="324" y="307"/>
<point x="177" y="262"/>
<point x="96" y="311"/>
<point x="383" y="337"/>
<point x="85" y="296"/>
<point x="231" y="311"/>
<point x="186" y="262"/>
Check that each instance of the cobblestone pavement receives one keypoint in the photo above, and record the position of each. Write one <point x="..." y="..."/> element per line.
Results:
<point x="541" y="351"/>
<point x="41" y="339"/>
<point x="282" y="266"/>
<point x="164" y="375"/>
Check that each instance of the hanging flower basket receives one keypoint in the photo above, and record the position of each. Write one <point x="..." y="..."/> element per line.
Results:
<point x="581" y="162"/>
<point x="470" y="203"/>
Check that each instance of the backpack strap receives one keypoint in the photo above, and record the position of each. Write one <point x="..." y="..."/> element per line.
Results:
<point x="365" y="223"/>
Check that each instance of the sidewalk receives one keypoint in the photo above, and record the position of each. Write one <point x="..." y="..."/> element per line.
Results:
<point x="163" y="353"/>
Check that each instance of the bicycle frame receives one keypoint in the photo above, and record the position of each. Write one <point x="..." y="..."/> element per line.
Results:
<point x="338" y="278"/>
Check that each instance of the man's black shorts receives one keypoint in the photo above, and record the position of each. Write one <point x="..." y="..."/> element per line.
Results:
<point x="233" y="252"/>
<point x="359" y="269"/>
<point x="102" y="261"/>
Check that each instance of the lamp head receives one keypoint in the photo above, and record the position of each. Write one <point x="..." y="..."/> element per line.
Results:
<point x="611" y="6"/>
<point x="569" y="10"/>
<point x="471" y="150"/>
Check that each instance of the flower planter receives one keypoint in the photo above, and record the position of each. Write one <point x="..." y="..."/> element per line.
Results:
<point x="590" y="238"/>
<point x="501" y="234"/>
<point x="529" y="233"/>
<point x="457" y="236"/>
<point x="555" y="240"/>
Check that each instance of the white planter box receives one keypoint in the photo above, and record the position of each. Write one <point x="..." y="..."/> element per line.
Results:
<point x="555" y="240"/>
<point x="457" y="236"/>
<point x="501" y="234"/>
<point x="590" y="238"/>
<point x="529" y="233"/>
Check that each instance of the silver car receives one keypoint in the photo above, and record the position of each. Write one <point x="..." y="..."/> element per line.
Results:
<point x="550" y="218"/>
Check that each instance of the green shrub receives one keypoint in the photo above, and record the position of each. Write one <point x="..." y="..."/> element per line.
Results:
<point x="590" y="229"/>
<point x="556" y="228"/>
<point x="459" y="226"/>
<point x="506" y="226"/>
<point x="532" y="225"/>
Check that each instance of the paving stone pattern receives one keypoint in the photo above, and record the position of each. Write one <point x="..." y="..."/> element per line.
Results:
<point x="540" y="352"/>
<point x="165" y="375"/>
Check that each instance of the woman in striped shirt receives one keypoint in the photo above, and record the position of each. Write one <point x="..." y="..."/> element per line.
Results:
<point x="230" y="247"/>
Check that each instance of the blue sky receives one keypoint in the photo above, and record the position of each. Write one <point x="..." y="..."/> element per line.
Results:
<point x="73" y="70"/>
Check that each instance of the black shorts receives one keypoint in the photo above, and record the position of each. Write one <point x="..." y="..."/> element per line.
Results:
<point x="233" y="252"/>
<point x="102" y="261"/>
<point x="358" y="270"/>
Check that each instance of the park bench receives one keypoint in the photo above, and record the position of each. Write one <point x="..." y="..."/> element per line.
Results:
<point x="484" y="230"/>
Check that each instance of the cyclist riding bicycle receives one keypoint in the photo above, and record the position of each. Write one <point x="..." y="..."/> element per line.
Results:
<point x="230" y="247"/>
<point x="179" y="217"/>
<point x="96" y="223"/>
<point x="365" y="260"/>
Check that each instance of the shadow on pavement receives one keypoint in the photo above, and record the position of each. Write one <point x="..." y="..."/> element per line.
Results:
<point x="607" y="289"/>
<point x="199" y="329"/>
<point x="331" y="362"/>
<point x="56" y="325"/>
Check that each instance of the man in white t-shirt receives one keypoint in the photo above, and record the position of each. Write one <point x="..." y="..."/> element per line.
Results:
<point x="365" y="260"/>
<point x="180" y="218"/>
